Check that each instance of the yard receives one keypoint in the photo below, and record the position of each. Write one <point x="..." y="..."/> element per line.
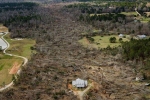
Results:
<point x="129" y="13"/>
<point x="101" y="41"/>
<point x="145" y="19"/>
<point x="6" y="62"/>
<point x="18" y="47"/>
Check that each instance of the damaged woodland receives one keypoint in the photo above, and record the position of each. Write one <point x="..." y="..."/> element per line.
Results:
<point x="60" y="58"/>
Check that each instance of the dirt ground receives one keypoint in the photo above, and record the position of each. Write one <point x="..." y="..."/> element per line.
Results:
<point x="14" y="68"/>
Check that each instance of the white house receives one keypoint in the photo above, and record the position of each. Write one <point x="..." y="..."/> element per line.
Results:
<point x="79" y="83"/>
<point x="141" y="36"/>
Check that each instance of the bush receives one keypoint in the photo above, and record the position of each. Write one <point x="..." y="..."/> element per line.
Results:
<point x="124" y="36"/>
<point x="120" y="39"/>
<point x="112" y="40"/>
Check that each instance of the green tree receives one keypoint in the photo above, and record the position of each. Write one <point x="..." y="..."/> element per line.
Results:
<point x="112" y="40"/>
<point x="120" y="39"/>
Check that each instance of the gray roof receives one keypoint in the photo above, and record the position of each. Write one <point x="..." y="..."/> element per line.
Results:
<point x="79" y="83"/>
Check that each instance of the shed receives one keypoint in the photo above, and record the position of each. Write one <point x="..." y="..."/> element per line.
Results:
<point x="141" y="36"/>
<point x="121" y="35"/>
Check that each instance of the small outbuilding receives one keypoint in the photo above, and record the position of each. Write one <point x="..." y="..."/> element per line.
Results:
<point x="141" y="36"/>
<point x="121" y="35"/>
<point x="79" y="83"/>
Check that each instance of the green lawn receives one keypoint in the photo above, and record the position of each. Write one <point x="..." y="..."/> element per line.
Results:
<point x="7" y="63"/>
<point x="18" y="47"/>
<point x="101" y="42"/>
<point x="129" y="13"/>
<point x="144" y="19"/>
<point x="125" y="13"/>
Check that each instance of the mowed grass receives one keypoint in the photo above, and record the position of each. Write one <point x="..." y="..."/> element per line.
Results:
<point x="101" y="42"/>
<point x="6" y="62"/>
<point x="145" y="19"/>
<point x="125" y="13"/>
<point x="129" y="13"/>
<point x="20" y="47"/>
<point x="17" y="47"/>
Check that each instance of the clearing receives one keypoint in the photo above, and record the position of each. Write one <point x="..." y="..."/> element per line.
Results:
<point x="20" y="47"/>
<point x="129" y="13"/>
<point x="17" y="47"/>
<point x="101" y="41"/>
<point x="6" y="63"/>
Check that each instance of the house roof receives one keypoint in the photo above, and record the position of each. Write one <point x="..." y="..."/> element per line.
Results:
<point x="79" y="83"/>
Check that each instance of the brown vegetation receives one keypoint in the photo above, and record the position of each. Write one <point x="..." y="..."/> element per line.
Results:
<point x="60" y="58"/>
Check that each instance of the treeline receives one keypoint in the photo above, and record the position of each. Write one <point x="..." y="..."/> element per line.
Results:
<point x="107" y="0"/>
<point x="110" y="16"/>
<point x="21" y="19"/>
<point x="122" y="4"/>
<point x="17" y="6"/>
<point x="106" y="8"/>
<point x="136" y="49"/>
<point x="104" y="17"/>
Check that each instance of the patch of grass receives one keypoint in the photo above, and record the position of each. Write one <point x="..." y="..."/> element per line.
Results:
<point x="20" y="47"/>
<point x="17" y="47"/>
<point x="129" y="13"/>
<point x="145" y="19"/>
<point x="1" y="67"/>
<point x="100" y="14"/>
<point x="102" y="42"/>
<point x="6" y="66"/>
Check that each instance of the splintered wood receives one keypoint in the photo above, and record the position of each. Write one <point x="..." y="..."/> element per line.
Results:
<point x="14" y="68"/>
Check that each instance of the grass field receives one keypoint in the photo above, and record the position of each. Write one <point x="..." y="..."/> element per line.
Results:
<point x="125" y="13"/>
<point x="7" y="62"/>
<point x="18" y="47"/>
<point x="129" y="13"/>
<point x="144" y="19"/>
<point x="101" y="42"/>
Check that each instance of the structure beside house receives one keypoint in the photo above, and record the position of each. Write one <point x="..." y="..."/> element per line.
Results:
<point x="79" y="83"/>
<point x="141" y="36"/>
<point x="121" y="35"/>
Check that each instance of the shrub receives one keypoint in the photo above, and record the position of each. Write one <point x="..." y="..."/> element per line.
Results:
<point x="112" y="40"/>
<point x="120" y="39"/>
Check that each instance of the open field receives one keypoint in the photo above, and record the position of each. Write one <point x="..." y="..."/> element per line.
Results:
<point x="6" y="63"/>
<point x="98" y="14"/>
<point x="101" y="41"/>
<point x="17" y="47"/>
<point x="20" y="47"/>
<point x="125" y="13"/>
<point x="129" y="13"/>
<point x="144" y="20"/>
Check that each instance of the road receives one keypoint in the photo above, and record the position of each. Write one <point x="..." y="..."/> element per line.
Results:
<point x="137" y="12"/>
<point x="19" y="71"/>
<point x="82" y="93"/>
